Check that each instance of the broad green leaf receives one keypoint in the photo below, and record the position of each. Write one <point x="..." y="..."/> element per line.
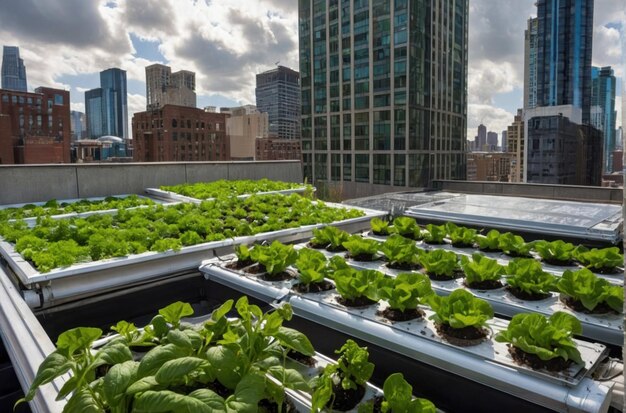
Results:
<point x="179" y="339"/>
<point x="290" y="378"/>
<point x="174" y="370"/>
<point x="142" y="385"/>
<point x="82" y="402"/>
<point x="117" y="380"/>
<point x="155" y="358"/>
<point x="216" y="403"/>
<point x="227" y="365"/>
<point x="165" y="401"/>
<point x="77" y="338"/>
<point x="175" y="311"/>
<point x="113" y="353"/>
<point x="55" y="365"/>
<point x="295" y="340"/>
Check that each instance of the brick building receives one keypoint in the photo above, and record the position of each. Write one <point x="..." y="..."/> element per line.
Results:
<point x="34" y="127"/>
<point x="489" y="166"/>
<point x="271" y="149"/>
<point x="179" y="133"/>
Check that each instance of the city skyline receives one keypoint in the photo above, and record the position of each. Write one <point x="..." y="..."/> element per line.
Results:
<point x="241" y="38"/>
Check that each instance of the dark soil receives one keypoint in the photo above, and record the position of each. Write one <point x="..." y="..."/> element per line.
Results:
<point x="435" y="242"/>
<point x="338" y="248"/>
<point x="378" y="404"/>
<point x="405" y="266"/>
<point x="607" y="270"/>
<point x="463" y="337"/>
<point x="102" y="370"/>
<point x="516" y="255"/>
<point x="533" y="361"/>
<point x="576" y="305"/>
<point x="301" y="358"/>
<point x="345" y="400"/>
<point x="552" y="261"/>
<point x="359" y="302"/>
<point x="316" y="246"/>
<point x="397" y="315"/>
<point x="219" y="388"/>
<point x="484" y="285"/>
<point x="523" y="295"/>
<point x="140" y="349"/>
<point x="462" y="245"/>
<point x="486" y="249"/>
<point x="266" y="406"/>
<point x="237" y="265"/>
<point x="255" y="269"/>
<point x="380" y="234"/>
<point x="363" y="257"/>
<point x="411" y="236"/>
<point x="458" y="273"/>
<point x="281" y="276"/>
<point x="313" y="287"/>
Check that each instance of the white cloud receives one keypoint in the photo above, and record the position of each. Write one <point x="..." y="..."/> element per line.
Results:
<point x="487" y="78"/>
<point x="78" y="106"/>
<point x="496" y="119"/>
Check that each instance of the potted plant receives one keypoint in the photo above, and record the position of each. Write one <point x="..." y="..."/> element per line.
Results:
<point x="460" y="318"/>
<point x="556" y="252"/>
<point x="362" y="249"/>
<point x="312" y="268"/>
<point x="440" y="265"/>
<point x="482" y="273"/>
<point x="397" y="398"/>
<point x="403" y="294"/>
<point x="341" y="386"/>
<point x="461" y="237"/>
<point x="527" y="280"/>
<point x="586" y="292"/>
<point x="543" y="343"/>
<point x="401" y="253"/>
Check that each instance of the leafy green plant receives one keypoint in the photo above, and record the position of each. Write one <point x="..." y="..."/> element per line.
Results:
<point x="460" y="236"/>
<point x="556" y="252"/>
<point x="489" y="242"/>
<point x="275" y="258"/>
<point x="354" y="285"/>
<point x="590" y="290"/>
<point x="460" y="309"/>
<point x="353" y="370"/>
<point x="244" y="255"/>
<point x="526" y="275"/>
<point x="514" y="245"/>
<point x="480" y="269"/>
<point x="398" y="398"/>
<point x="407" y="227"/>
<point x="547" y="338"/>
<point x="228" y="188"/>
<point x="362" y="248"/>
<point x="439" y="263"/>
<point x="380" y="227"/>
<point x="405" y="291"/>
<point x="605" y="259"/>
<point x="434" y="234"/>
<point x="330" y="237"/>
<point x="401" y="251"/>
<point x="311" y="265"/>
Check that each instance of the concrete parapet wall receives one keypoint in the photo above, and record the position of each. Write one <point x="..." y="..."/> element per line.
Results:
<point x="565" y="192"/>
<point x="33" y="183"/>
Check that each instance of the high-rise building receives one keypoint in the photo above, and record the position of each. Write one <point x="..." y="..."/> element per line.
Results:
<point x="516" y="146"/>
<point x="603" y="114"/>
<point x="13" y="69"/>
<point x="107" y="106"/>
<point x="384" y="92"/>
<point x="482" y="137"/>
<point x="492" y="141"/>
<point x="504" y="144"/>
<point x="78" y="122"/>
<point x="278" y="94"/>
<point x="530" y="63"/>
<point x="564" y="46"/>
<point x="244" y="125"/>
<point x="166" y="88"/>
<point x="34" y="127"/>
<point x="488" y="166"/>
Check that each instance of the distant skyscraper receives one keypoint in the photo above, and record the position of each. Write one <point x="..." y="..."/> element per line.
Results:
<point x="278" y="93"/>
<point x="107" y="107"/>
<point x="13" y="69"/>
<point x="166" y="88"/>
<point x="504" y="144"/>
<point x="603" y="112"/>
<point x="482" y="137"/>
<point x="516" y="146"/>
<point x="78" y="125"/>
<point x="530" y="63"/>
<point x="564" y="45"/>
<point x="492" y="141"/>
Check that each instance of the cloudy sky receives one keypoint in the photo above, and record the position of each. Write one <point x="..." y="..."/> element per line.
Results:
<point x="66" y="43"/>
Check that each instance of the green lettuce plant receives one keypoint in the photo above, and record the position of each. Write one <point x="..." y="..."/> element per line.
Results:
<point x="362" y="248"/>
<point x="311" y="265"/>
<point x="434" y="234"/>
<point x="460" y="309"/>
<point x="460" y="236"/>
<point x="405" y="291"/>
<point x="556" y="252"/>
<point x="480" y="269"/>
<point x="514" y="245"/>
<point x="439" y="263"/>
<point x="489" y="242"/>
<point x="275" y="258"/>
<point x="380" y="227"/>
<point x="244" y="255"/>
<point x="547" y="338"/>
<point x="590" y="290"/>
<point x="398" y="398"/>
<point x="527" y="275"/>
<point x="407" y="227"/>
<point x="401" y="251"/>
<point x="605" y="259"/>
<point x="353" y="284"/>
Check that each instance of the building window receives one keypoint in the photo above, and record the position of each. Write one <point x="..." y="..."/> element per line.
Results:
<point x="58" y="99"/>
<point x="174" y="123"/>
<point x="382" y="169"/>
<point x="347" y="167"/>
<point x="362" y="168"/>
<point x="5" y="98"/>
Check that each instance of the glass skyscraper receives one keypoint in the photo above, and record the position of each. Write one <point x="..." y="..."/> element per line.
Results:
<point x="107" y="106"/>
<point x="278" y="94"/>
<point x="13" y="69"/>
<point x="530" y="64"/>
<point x="384" y="91"/>
<point x="603" y="115"/>
<point x="564" y="43"/>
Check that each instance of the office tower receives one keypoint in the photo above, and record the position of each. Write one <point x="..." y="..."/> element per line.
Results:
<point x="34" y="127"/>
<point x="278" y="94"/>
<point x="504" y="144"/>
<point x="603" y="114"/>
<point x="530" y="63"/>
<point x="564" y="43"/>
<point x="166" y="88"/>
<point x="482" y="137"/>
<point x="13" y="69"/>
<point x="492" y="141"/>
<point x="386" y="106"/>
<point x="78" y="127"/>
<point x="107" y="107"/>
<point x="516" y="146"/>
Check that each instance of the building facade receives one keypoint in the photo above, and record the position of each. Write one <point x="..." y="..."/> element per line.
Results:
<point x="530" y="63"/>
<point x="564" y="47"/>
<point x="106" y="107"/>
<point x="516" y="147"/>
<point x="270" y="149"/>
<point x="243" y="127"/>
<point x="278" y="94"/>
<point x="166" y="88"/>
<point x="384" y="92"/>
<point x="489" y="166"/>
<point x="13" y="69"/>
<point x="179" y="133"/>
<point x="603" y="114"/>
<point x="492" y="141"/>
<point x="78" y="125"/>
<point x="504" y="145"/>
<point x="34" y="127"/>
